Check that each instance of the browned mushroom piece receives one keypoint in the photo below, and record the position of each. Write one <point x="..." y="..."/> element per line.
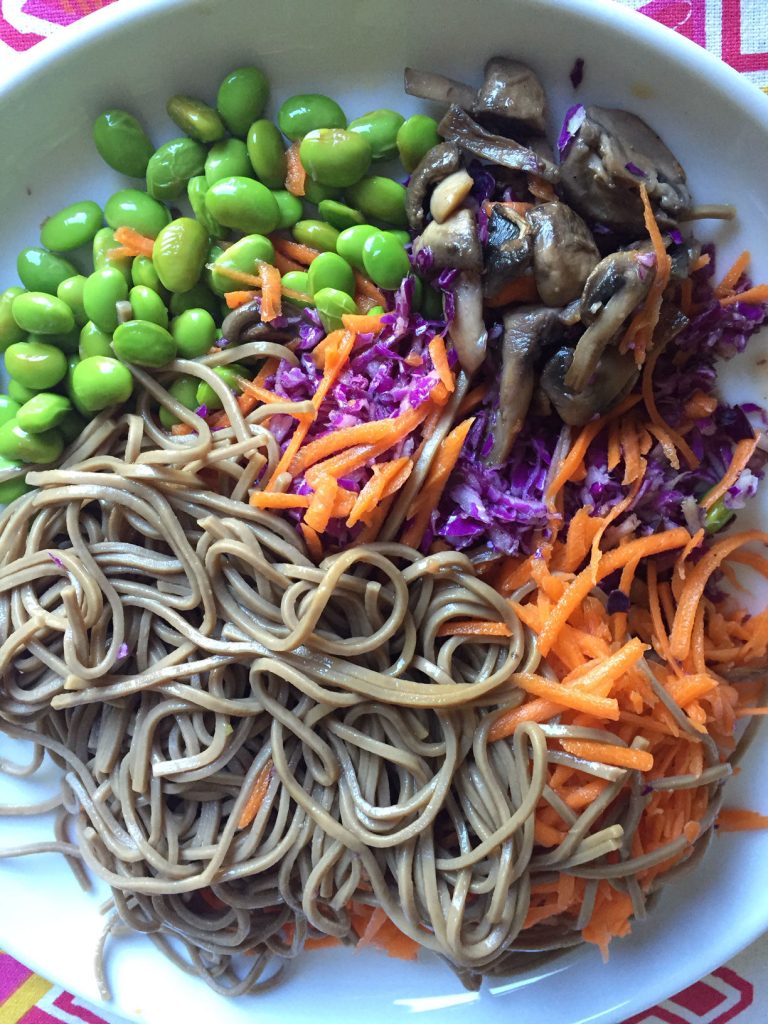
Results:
<point x="509" y="249"/>
<point x="454" y="243"/>
<point x="613" y="290"/>
<point x="611" y="154"/>
<point x="564" y="252"/>
<point x="511" y="92"/>
<point x="614" y="377"/>
<point x="527" y="329"/>
<point x="429" y="86"/>
<point x="436" y="164"/>
<point x="467" y="330"/>
<point x="457" y="126"/>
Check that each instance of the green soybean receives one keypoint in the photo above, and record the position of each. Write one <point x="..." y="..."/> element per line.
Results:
<point x="94" y="342"/>
<point x="19" y="445"/>
<point x="381" y="199"/>
<point x="329" y="270"/>
<point x="415" y="137"/>
<point x="298" y="281"/>
<point x="385" y="260"/>
<point x="42" y="271"/>
<point x="351" y="241"/>
<point x="431" y="303"/>
<point x="71" y="227"/>
<point x="147" y="305"/>
<point x="195" y="118"/>
<point x="315" y="193"/>
<point x="13" y="488"/>
<point x="103" y="244"/>
<point x="122" y="142"/>
<point x="67" y="342"/>
<point x="306" y="112"/>
<point x="244" y="256"/>
<point x="131" y="208"/>
<point x="332" y="304"/>
<point x="401" y="235"/>
<point x="316" y="234"/>
<point x="100" y="381"/>
<point x="194" y="332"/>
<point x="71" y="292"/>
<point x="266" y="151"/>
<point x="184" y="390"/>
<point x="101" y="293"/>
<point x="10" y="332"/>
<point x="379" y="128"/>
<point x="241" y="99"/>
<point x="196" y="190"/>
<point x="20" y="393"/>
<point x="291" y="208"/>
<point x="179" y="254"/>
<point x="172" y="165"/>
<point x="144" y="343"/>
<point x="8" y="408"/>
<point x="143" y="273"/>
<point x="35" y="364"/>
<point x="244" y="204"/>
<point x="339" y="215"/>
<point x="199" y="297"/>
<point x="335" y="156"/>
<point x="43" y="412"/>
<point x="376" y="311"/>
<point x="205" y="395"/>
<point x="40" y="313"/>
<point x="227" y="159"/>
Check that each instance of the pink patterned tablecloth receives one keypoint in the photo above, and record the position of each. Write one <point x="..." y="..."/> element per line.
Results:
<point x="737" y="32"/>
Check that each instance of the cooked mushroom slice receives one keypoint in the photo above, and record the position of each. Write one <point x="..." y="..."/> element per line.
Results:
<point x="613" y="378"/>
<point x="454" y="243"/>
<point x="448" y="196"/>
<point x="611" y="154"/>
<point x="429" y="86"/>
<point x="614" y="289"/>
<point x="467" y="330"/>
<point x="509" y="249"/>
<point x="564" y="252"/>
<point x="526" y="330"/>
<point x="436" y="164"/>
<point x="683" y="255"/>
<point x="512" y="92"/>
<point x="457" y="126"/>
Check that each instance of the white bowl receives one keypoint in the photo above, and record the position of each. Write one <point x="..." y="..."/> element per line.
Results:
<point x="138" y="52"/>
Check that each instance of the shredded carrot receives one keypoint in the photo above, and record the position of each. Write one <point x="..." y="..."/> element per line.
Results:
<point x="312" y="540"/>
<point x="755" y="295"/>
<point x="374" y="490"/>
<point x="140" y="245"/>
<point x="366" y="290"/>
<point x="732" y="277"/>
<point x="472" y="400"/>
<point x="271" y="296"/>
<point x="699" y="406"/>
<point x="608" y="753"/>
<point x="321" y="503"/>
<point x="639" y="335"/>
<point x="296" y="176"/>
<point x="252" y="280"/>
<point x="235" y="300"/>
<point x="369" y="323"/>
<point x="301" y="254"/>
<point x="732" y="819"/>
<point x="521" y="289"/>
<point x="256" y="796"/>
<point x="322" y="942"/>
<point x="567" y="696"/>
<point x="655" y="416"/>
<point x="473" y="627"/>
<point x="286" y="265"/>
<point x="421" y="509"/>
<point x="274" y="499"/>
<point x="440" y="362"/>
<point x="742" y="453"/>
<point x="686" y="297"/>
<point x="700" y="262"/>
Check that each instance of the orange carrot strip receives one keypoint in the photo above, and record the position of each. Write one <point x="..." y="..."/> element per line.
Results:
<point x="610" y="669"/>
<point x="274" y="499"/>
<point x="312" y="540"/>
<point x="758" y="294"/>
<point x="690" y="688"/>
<point x="473" y="627"/>
<point x="121" y="252"/>
<point x="286" y="265"/>
<point x="686" y="297"/>
<point x="731" y="277"/>
<point x="369" y="323"/>
<point x="440" y="362"/>
<point x="607" y="753"/>
<point x="471" y="400"/>
<point x="421" y="509"/>
<point x="256" y="796"/>
<point x="566" y="697"/>
<point x="271" y="295"/>
<point x="532" y="711"/>
<point x="322" y="942"/>
<point x="375" y="489"/>
<point x="253" y="280"/>
<point x="655" y="416"/>
<point x="394" y="428"/>
<point x="522" y="289"/>
<point x="742" y="453"/>
<point x="140" y="244"/>
<point x="296" y="176"/>
<point x="302" y="254"/>
<point x="366" y="289"/>
<point x="734" y="819"/>
<point x="321" y="503"/>
<point x="700" y="262"/>
<point x="639" y="334"/>
<point x="235" y="300"/>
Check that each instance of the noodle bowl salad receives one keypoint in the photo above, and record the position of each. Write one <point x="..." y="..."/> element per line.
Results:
<point x="366" y="561"/>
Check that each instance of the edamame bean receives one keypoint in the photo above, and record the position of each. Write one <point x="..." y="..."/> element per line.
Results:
<point x="227" y="159"/>
<point x="184" y="390"/>
<point x="350" y="243"/>
<point x="41" y="271"/>
<point x="103" y="245"/>
<point x="100" y="381"/>
<point x="244" y="204"/>
<point x="72" y="426"/>
<point x="380" y="128"/>
<point x="315" y="193"/>
<point x="8" y="409"/>
<point x="196" y="190"/>
<point x="339" y="215"/>
<point x="380" y="198"/>
<point x="122" y="142"/>
<point x="14" y="487"/>
<point x="431" y="303"/>
<point x="101" y="293"/>
<point x="94" y="342"/>
<point x="172" y="165"/>
<point x="71" y="292"/>
<point x="194" y="332"/>
<point x="415" y="137"/>
<point x="298" y="281"/>
<point x="244" y="256"/>
<point x="329" y="270"/>
<point x="40" y="313"/>
<point x="67" y="342"/>
<point x="385" y="260"/>
<point x="316" y="234"/>
<point x="35" y="364"/>
<point x="335" y="156"/>
<point x="331" y="304"/>
<point x="147" y="305"/>
<point x="205" y="395"/>
<point x="130" y="208"/>
<point x="376" y="311"/>
<point x="19" y="445"/>
<point x="19" y="393"/>
<point x="195" y="118"/>
<point x="199" y="297"/>
<point x="241" y="99"/>
<point x="144" y="343"/>
<point x="10" y="332"/>
<point x="266" y="151"/>
<point x="71" y="227"/>
<point x="43" y="412"/>
<point x="143" y="273"/>
<point x="402" y="236"/>
<point x="306" y="112"/>
<point x="291" y="208"/>
<point x="179" y="254"/>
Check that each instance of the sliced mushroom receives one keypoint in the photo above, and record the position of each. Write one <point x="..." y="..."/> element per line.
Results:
<point x="436" y="164"/>
<point x="614" y="289"/>
<point x="467" y="330"/>
<point x="509" y="249"/>
<point x="454" y="243"/>
<point x="527" y="329"/>
<point x="448" y="196"/>
<point x="611" y="154"/>
<point x="429" y="86"/>
<point x="564" y="252"/>
<point x="457" y="126"/>
<point x="613" y="378"/>
<point x="512" y="92"/>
